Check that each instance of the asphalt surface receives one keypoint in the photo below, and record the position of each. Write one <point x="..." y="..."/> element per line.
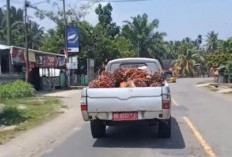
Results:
<point x="210" y="114"/>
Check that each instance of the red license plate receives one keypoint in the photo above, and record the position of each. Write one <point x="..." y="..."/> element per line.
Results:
<point x="125" y="116"/>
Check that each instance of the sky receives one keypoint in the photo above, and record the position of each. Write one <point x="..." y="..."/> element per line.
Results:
<point x="178" y="18"/>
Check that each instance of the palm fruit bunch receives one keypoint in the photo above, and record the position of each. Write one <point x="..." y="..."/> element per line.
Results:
<point x="141" y="77"/>
<point x="120" y="75"/>
<point x="105" y="80"/>
<point x="157" y="79"/>
<point x="128" y="77"/>
<point x="139" y="83"/>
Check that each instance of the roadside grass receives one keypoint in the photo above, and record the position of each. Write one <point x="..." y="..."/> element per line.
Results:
<point x="26" y="113"/>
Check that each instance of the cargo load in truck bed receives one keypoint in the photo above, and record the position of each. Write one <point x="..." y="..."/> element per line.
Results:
<point x="128" y="77"/>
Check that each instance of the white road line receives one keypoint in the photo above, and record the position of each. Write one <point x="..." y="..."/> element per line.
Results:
<point x="200" y="138"/>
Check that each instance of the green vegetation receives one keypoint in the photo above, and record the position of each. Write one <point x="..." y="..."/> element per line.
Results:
<point x="229" y="71"/>
<point x="140" y="33"/>
<point x="35" y="32"/>
<point x="26" y="113"/>
<point x="217" y="59"/>
<point x="212" y="42"/>
<point x="138" y="36"/>
<point x="17" y="89"/>
<point x="187" y="61"/>
<point x="23" y="109"/>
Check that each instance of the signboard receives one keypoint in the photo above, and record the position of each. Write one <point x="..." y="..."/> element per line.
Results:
<point x="72" y="65"/>
<point x="17" y="56"/>
<point x="72" y="59"/>
<point x="31" y="56"/>
<point x="50" y="61"/>
<point x="39" y="60"/>
<point x="61" y="61"/>
<point x="72" y="62"/>
<point x="47" y="61"/>
<point x="72" y="39"/>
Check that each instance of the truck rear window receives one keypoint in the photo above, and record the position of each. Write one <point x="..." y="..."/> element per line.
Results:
<point x="132" y="65"/>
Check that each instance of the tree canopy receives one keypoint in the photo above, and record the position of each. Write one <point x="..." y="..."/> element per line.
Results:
<point x="35" y="32"/>
<point x="138" y="36"/>
<point x="141" y="34"/>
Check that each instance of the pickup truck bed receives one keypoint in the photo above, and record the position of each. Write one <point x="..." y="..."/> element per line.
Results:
<point x="124" y="99"/>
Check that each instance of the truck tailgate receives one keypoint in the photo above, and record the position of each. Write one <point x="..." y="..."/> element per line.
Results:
<point x="124" y="99"/>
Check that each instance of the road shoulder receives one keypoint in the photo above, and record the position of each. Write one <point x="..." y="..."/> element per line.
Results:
<point x="48" y="135"/>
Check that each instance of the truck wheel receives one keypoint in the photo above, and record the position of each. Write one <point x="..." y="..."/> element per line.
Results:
<point x="98" y="129"/>
<point x="165" y="128"/>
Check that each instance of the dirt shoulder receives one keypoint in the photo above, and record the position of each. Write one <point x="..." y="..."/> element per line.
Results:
<point x="223" y="90"/>
<point x="40" y="139"/>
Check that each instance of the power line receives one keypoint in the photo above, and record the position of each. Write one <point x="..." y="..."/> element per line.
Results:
<point x="116" y="1"/>
<point x="37" y="3"/>
<point x="47" y="1"/>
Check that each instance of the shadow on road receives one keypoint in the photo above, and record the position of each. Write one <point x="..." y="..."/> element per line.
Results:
<point x="142" y="136"/>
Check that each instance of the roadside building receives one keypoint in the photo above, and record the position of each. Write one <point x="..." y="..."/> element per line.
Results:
<point x="46" y="72"/>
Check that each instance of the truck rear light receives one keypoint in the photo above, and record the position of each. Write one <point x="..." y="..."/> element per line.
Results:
<point x="83" y="104"/>
<point x="166" y="102"/>
<point x="83" y="107"/>
<point x="166" y="105"/>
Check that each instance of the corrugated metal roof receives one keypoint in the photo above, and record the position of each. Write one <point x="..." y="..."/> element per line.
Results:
<point x="4" y="47"/>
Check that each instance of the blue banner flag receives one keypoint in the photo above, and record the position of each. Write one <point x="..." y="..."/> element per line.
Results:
<point x="72" y="39"/>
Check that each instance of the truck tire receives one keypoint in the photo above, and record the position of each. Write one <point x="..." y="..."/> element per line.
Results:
<point x="164" y="128"/>
<point x="98" y="129"/>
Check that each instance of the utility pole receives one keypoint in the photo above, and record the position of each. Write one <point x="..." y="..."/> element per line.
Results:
<point x="26" y="40"/>
<point x="8" y="23"/>
<point x="65" y="26"/>
<point x="65" y="43"/>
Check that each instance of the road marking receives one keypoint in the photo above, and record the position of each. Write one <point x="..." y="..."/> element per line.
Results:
<point x="200" y="138"/>
<point x="174" y="102"/>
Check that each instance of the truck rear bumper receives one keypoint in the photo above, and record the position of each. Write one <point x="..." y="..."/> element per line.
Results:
<point x="142" y="115"/>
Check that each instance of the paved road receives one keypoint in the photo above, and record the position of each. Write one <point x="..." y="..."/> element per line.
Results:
<point x="205" y="131"/>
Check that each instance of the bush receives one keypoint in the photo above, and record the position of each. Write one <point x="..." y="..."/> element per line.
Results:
<point x="217" y="59"/>
<point x="17" y="89"/>
<point x="11" y="116"/>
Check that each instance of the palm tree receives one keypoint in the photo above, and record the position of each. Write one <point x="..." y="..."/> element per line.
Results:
<point x="35" y="33"/>
<point x="16" y="16"/>
<point x="3" y="33"/>
<point x="141" y="34"/>
<point x="226" y="46"/>
<point x="198" y="41"/>
<point x="212" y="42"/>
<point x="188" y="58"/>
